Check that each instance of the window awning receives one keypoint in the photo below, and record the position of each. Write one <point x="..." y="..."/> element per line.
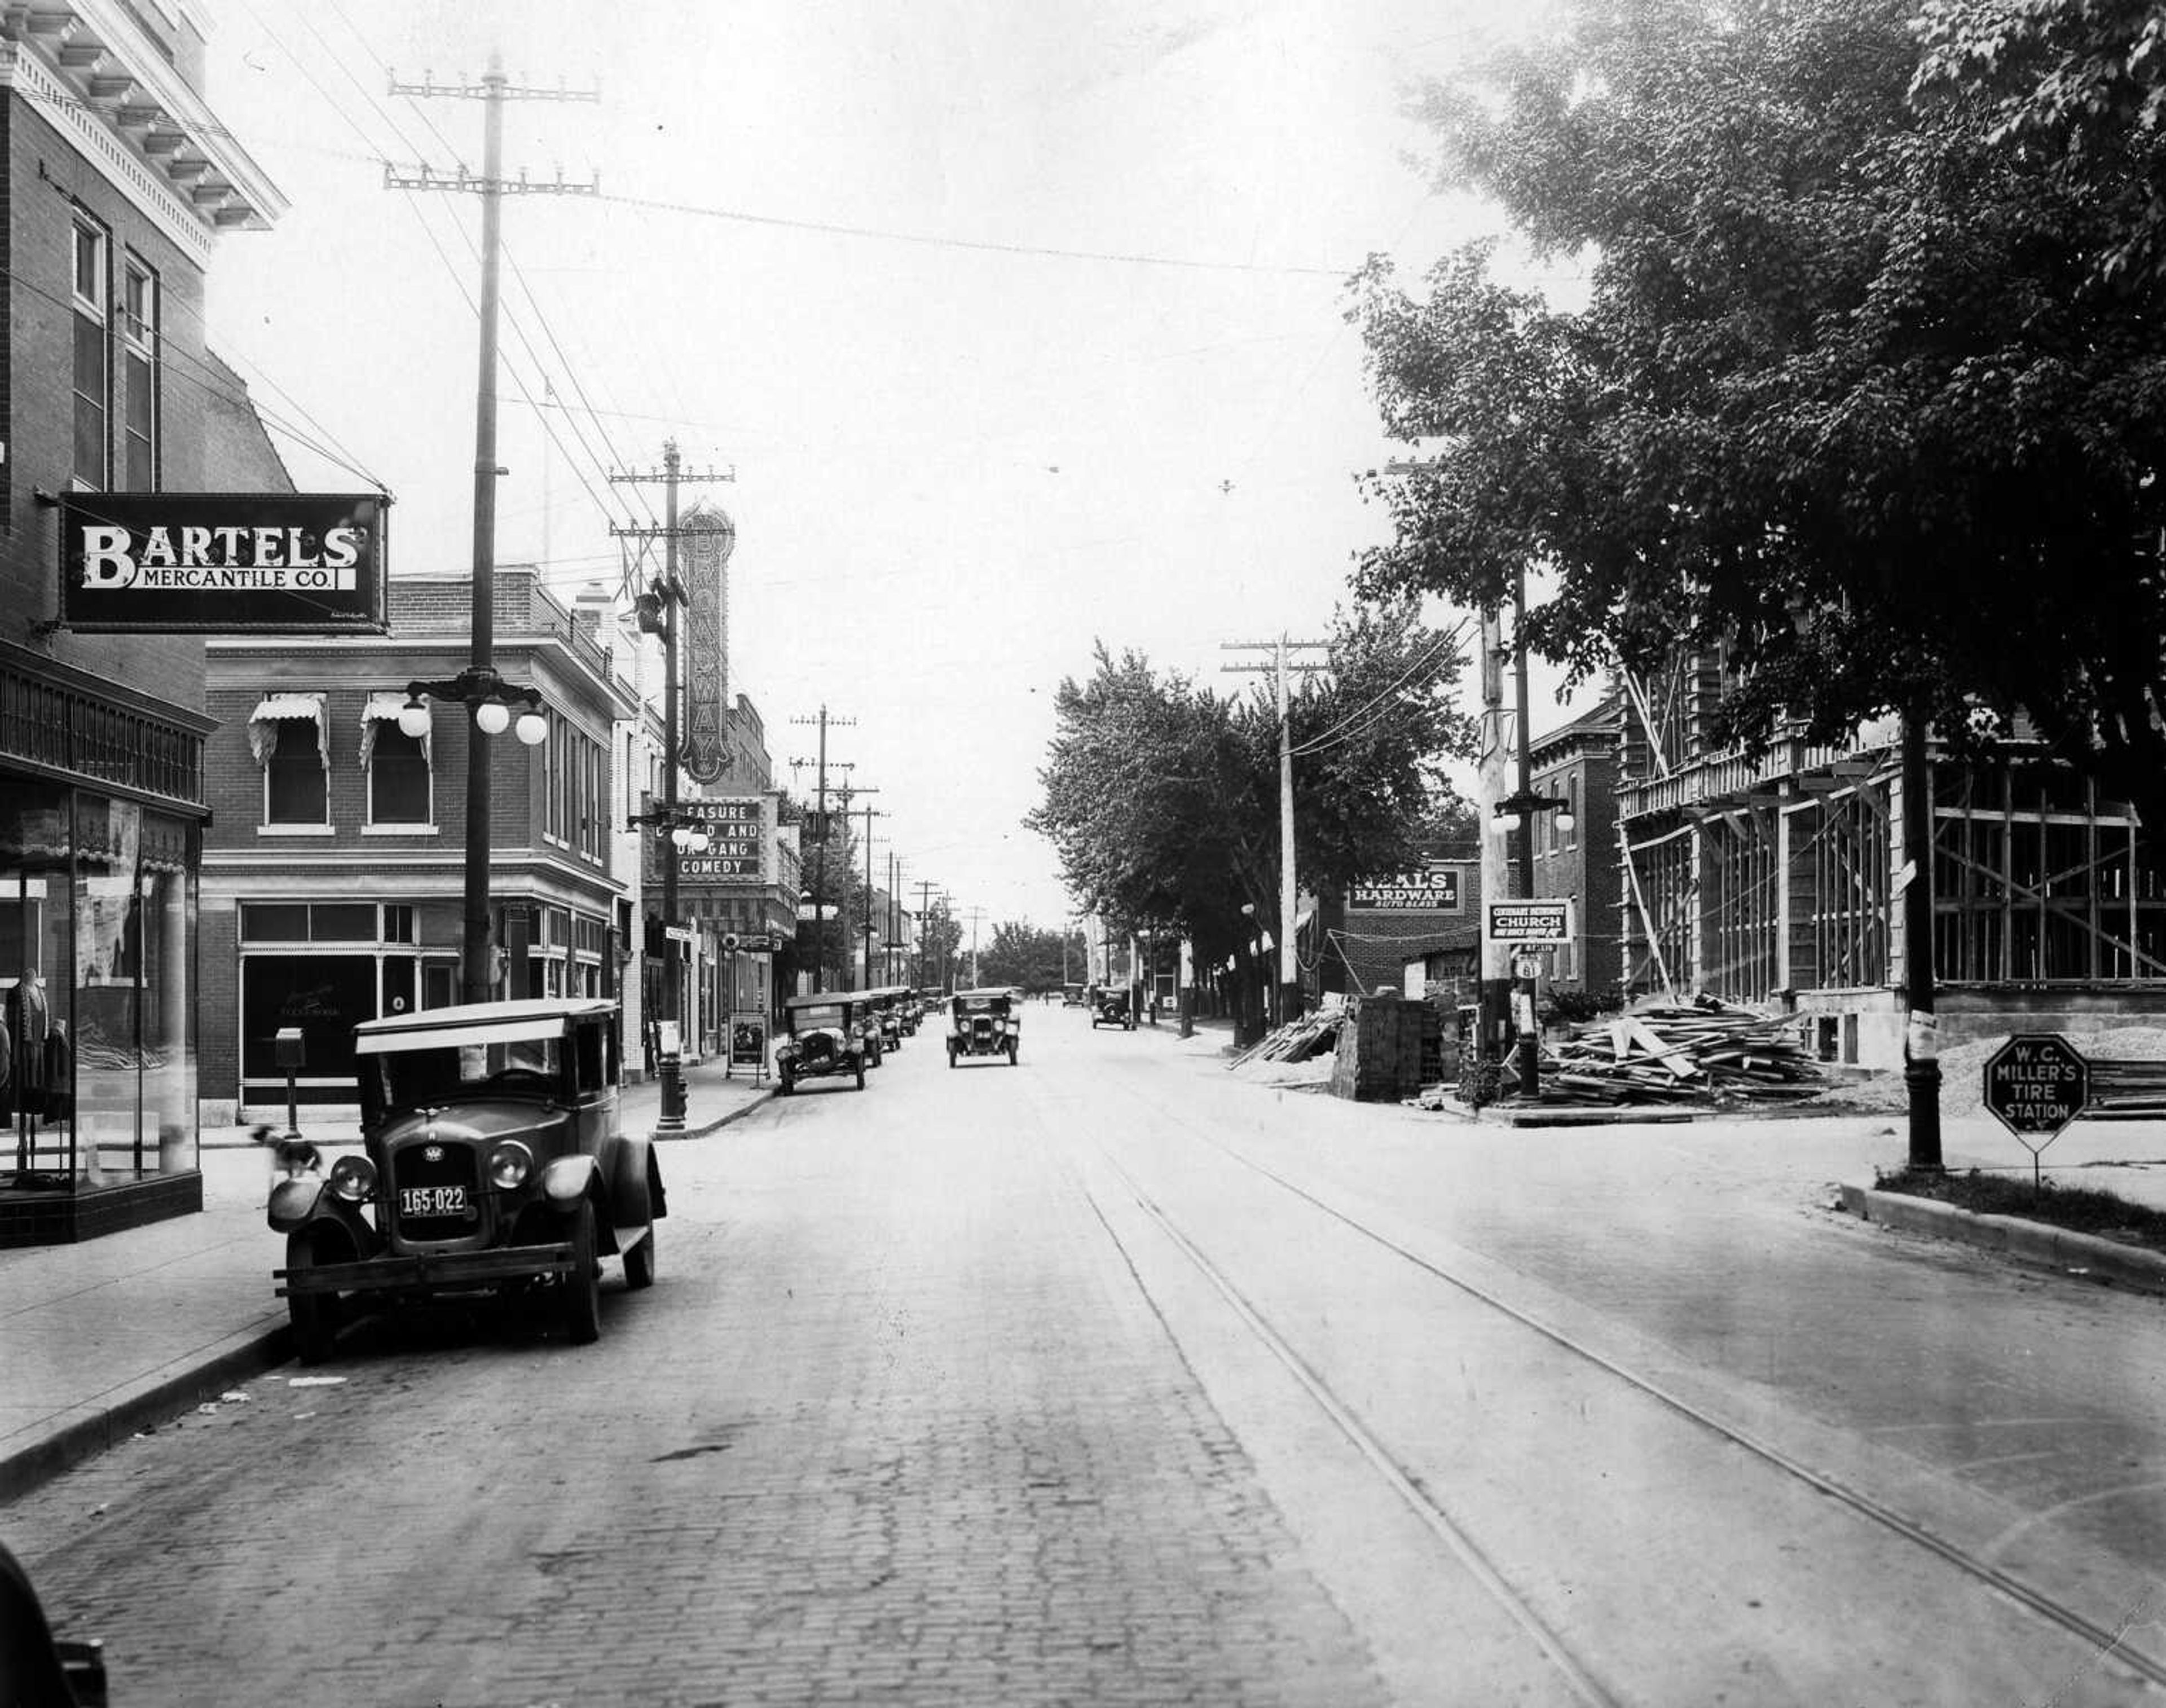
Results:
<point x="275" y="709"/>
<point x="383" y="707"/>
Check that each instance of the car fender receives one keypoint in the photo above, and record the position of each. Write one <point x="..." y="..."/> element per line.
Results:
<point x="567" y="1179"/>
<point x="293" y="1202"/>
<point x="635" y="1195"/>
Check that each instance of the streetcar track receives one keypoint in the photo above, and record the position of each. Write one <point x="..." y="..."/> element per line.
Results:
<point x="1424" y="1507"/>
<point x="2105" y="1641"/>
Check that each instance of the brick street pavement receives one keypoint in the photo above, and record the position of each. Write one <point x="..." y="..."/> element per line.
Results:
<point x="896" y="1426"/>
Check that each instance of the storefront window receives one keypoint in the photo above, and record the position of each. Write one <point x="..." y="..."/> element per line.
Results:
<point x="33" y="943"/>
<point x="97" y="1070"/>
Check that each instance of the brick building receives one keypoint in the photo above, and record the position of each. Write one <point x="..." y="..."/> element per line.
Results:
<point x="119" y="181"/>
<point x="334" y="875"/>
<point x="1419" y="932"/>
<point x="1576" y="851"/>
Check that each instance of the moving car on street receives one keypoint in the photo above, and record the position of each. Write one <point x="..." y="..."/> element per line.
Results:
<point x="984" y="1023"/>
<point x="494" y="1161"/>
<point x="824" y="1037"/>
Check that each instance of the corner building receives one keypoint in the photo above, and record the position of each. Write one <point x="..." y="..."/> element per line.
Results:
<point x="334" y="879"/>
<point x="119" y="180"/>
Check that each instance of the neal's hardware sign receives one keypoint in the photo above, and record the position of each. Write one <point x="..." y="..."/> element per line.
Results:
<point x="208" y="563"/>
<point x="1435" y="891"/>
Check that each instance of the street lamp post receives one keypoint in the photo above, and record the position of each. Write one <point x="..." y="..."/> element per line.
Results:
<point x="488" y="699"/>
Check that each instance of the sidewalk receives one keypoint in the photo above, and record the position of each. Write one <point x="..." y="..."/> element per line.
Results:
<point x="100" y="1338"/>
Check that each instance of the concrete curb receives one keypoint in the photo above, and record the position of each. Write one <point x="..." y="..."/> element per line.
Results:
<point x="2084" y="1255"/>
<point x="86" y="1431"/>
<point x="83" y="1431"/>
<point x="722" y="1120"/>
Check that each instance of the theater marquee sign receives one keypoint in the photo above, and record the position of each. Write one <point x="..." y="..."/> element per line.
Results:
<point x="213" y="563"/>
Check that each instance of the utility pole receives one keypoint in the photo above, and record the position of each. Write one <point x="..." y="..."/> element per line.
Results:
<point x="479" y="684"/>
<point x="870" y="815"/>
<point x="1289" y="968"/>
<point x="819" y="825"/>
<point x="1516" y="812"/>
<point x="657" y="609"/>
<point x="976" y="914"/>
<point x="926" y="886"/>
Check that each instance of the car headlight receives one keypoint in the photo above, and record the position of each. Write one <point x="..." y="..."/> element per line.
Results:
<point x="509" y="1164"/>
<point x="1000" y="1025"/>
<point x="353" y="1178"/>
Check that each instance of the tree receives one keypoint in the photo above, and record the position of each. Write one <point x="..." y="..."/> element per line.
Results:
<point x="1161" y="798"/>
<point x="2082" y="83"/>
<point x="1845" y="405"/>
<point x="1028" y="956"/>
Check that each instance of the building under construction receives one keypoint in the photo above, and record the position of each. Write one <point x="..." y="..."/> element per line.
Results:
<point x="1779" y="879"/>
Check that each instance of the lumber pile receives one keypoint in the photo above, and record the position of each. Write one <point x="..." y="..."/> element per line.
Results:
<point x="1705" y="1051"/>
<point x="1298" y="1040"/>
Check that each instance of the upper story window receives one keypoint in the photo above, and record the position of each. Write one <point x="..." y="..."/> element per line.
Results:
<point x="397" y="766"/>
<point x="92" y="465"/>
<point x="138" y="365"/>
<point x="286" y="733"/>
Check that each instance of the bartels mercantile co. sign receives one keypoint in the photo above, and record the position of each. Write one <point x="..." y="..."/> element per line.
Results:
<point x="221" y="563"/>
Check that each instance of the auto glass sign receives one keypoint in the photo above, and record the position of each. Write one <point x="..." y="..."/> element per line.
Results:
<point x="222" y="562"/>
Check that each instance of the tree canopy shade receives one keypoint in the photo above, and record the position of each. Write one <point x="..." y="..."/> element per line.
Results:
<point x="1848" y="400"/>
<point x="1161" y="797"/>
<point x="2082" y="84"/>
<point x="1031" y="957"/>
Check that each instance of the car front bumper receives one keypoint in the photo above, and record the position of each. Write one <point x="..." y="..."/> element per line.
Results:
<point x="433" y="1271"/>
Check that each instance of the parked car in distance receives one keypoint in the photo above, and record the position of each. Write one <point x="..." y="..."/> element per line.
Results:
<point x="1112" y="1005"/>
<point x="823" y="1037"/>
<point x="1071" y="996"/>
<point x="494" y="1161"/>
<point x="984" y="1023"/>
<point x="884" y="1003"/>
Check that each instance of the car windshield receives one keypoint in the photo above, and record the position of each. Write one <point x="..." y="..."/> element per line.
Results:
<point x="816" y="1015"/>
<point x="429" y="1078"/>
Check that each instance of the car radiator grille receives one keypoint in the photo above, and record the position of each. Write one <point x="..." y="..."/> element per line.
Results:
<point x="450" y="1175"/>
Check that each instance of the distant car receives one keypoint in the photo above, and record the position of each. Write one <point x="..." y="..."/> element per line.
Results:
<point x="1112" y="1005"/>
<point x="823" y="1037"/>
<point x="883" y="1002"/>
<point x="494" y="1161"/>
<point x="984" y="1023"/>
<point x="1071" y="996"/>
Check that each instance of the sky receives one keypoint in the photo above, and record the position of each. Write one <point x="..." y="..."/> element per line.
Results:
<point x="1016" y="327"/>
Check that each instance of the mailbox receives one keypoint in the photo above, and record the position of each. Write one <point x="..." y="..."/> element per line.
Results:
<point x="288" y="1050"/>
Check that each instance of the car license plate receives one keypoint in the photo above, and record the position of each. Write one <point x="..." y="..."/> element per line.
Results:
<point x="432" y="1201"/>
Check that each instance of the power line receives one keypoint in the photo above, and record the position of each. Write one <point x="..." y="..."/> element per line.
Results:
<point x="1341" y="731"/>
<point x="832" y="229"/>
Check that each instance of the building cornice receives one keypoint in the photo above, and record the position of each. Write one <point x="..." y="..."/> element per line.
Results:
<point x="99" y="81"/>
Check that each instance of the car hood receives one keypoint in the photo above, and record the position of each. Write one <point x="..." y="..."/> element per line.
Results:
<point x="480" y="1123"/>
<point x="833" y="1034"/>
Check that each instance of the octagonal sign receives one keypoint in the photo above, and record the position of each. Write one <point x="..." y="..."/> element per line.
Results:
<point x="2035" y="1084"/>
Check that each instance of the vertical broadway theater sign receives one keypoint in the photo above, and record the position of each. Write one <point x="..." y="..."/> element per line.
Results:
<point x="222" y="562"/>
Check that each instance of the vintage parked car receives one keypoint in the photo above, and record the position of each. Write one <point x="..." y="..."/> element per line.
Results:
<point x="1112" y="1005"/>
<point x="884" y="1002"/>
<point x="824" y="1035"/>
<point x="494" y="1161"/>
<point x="1071" y="996"/>
<point x="984" y="1023"/>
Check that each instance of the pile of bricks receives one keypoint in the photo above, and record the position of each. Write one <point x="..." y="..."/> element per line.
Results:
<point x="1388" y="1049"/>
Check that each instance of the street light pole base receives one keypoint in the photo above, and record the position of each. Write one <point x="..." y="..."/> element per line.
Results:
<point x="672" y="1118"/>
